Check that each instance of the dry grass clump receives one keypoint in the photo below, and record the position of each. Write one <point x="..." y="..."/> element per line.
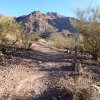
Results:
<point x="61" y="41"/>
<point x="81" y="87"/>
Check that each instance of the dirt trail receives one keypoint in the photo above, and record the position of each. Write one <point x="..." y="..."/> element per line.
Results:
<point x="29" y="74"/>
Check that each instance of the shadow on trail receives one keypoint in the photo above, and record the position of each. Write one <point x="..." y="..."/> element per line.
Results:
<point x="61" y="68"/>
<point x="54" y="94"/>
<point x="51" y="94"/>
<point x="20" y="53"/>
<point x="37" y="55"/>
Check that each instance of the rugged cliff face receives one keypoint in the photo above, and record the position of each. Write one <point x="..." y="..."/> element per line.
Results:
<point x="49" y="22"/>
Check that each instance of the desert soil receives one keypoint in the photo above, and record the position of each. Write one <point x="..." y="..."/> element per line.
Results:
<point x="30" y="74"/>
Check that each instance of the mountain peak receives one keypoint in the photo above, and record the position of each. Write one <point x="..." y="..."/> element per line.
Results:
<point x="35" y="13"/>
<point x="51" y="21"/>
<point x="50" y="14"/>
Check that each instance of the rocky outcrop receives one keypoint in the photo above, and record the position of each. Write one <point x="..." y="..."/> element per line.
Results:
<point x="49" y="22"/>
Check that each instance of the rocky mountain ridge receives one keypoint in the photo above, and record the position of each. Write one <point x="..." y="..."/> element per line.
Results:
<point x="49" y="22"/>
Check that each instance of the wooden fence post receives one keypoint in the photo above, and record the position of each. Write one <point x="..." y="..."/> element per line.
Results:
<point x="74" y="63"/>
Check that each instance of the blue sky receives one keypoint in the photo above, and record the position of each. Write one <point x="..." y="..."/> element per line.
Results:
<point x="23" y="7"/>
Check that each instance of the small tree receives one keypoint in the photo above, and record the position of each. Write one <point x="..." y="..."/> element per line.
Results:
<point x="88" y="25"/>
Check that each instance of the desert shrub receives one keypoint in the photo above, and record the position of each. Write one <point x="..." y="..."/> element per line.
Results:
<point x="9" y="30"/>
<point x="27" y="38"/>
<point x="12" y="33"/>
<point x="88" y="25"/>
<point x="60" y="41"/>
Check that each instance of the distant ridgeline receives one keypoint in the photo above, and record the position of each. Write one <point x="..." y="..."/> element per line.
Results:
<point x="49" y="22"/>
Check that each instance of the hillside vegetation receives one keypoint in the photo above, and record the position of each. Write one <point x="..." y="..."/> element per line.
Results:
<point x="88" y="27"/>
